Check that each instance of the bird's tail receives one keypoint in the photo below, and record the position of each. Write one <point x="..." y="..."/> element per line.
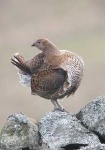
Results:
<point x="23" y="70"/>
<point x="19" y="62"/>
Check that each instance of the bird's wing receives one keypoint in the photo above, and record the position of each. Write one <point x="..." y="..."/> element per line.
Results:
<point x="73" y="64"/>
<point x="47" y="81"/>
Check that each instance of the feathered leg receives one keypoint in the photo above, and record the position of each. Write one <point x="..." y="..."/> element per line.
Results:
<point x="57" y="106"/>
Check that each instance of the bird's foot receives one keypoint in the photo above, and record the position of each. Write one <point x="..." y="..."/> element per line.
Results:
<point x="59" y="109"/>
<point x="33" y="93"/>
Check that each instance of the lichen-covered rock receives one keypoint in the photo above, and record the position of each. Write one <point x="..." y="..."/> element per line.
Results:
<point x="93" y="116"/>
<point x="59" y="129"/>
<point x="92" y="113"/>
<point x="99" y="129"/>
<point x="19" y="132"/>
<point x="94" y="147"/>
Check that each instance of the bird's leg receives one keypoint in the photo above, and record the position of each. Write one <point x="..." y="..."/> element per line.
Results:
<point x="57" y="106"/>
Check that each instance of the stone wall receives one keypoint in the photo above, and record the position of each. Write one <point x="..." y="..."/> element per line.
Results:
<point x="57" y="130"/>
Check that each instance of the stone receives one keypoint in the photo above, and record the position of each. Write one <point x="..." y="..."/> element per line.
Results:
<point x="93" y="117"/>
<point x="59" y="129"/>
<point x="99" y="129"/>
<point x="19" y="133"/>
<point x="94" y="147"/>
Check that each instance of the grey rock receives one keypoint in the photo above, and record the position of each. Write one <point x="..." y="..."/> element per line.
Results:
<point x="43" y="147"/>
<point x="59" y="129"/>
<point x="93" y="116"/>
<point x="19" y="132"/>
<point x="94" y="147"/>
<point x="99" y="129"/>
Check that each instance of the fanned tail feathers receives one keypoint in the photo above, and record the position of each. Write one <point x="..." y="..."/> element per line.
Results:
<point x="20" y="64"/>
<point x="23" y="71"/>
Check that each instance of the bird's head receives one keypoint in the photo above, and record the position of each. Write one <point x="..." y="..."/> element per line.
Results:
<point x="44" y="44"/>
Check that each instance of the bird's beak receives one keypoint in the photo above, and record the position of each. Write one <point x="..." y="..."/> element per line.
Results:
<point x="34" y="44"/>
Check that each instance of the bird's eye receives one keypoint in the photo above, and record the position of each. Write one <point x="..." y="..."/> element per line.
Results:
<point x="39" y="42"/>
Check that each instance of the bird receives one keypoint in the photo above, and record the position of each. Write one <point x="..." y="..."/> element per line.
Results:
<point x="52" y="73"/>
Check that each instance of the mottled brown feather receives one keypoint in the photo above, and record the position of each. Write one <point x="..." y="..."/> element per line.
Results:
<point x="45" y="83"/>
<point x="53" y="73"/>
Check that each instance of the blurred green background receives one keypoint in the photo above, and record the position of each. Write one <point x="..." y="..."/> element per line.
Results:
<point x="76" y="25"/>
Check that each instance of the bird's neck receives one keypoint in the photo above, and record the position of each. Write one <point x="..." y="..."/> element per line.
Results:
<point x="51" y="50"/>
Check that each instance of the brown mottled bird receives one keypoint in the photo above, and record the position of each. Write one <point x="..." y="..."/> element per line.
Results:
<point x="51" y="74"/>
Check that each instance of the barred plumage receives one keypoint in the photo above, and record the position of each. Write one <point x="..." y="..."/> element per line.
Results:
<point x="51" y="74"/>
